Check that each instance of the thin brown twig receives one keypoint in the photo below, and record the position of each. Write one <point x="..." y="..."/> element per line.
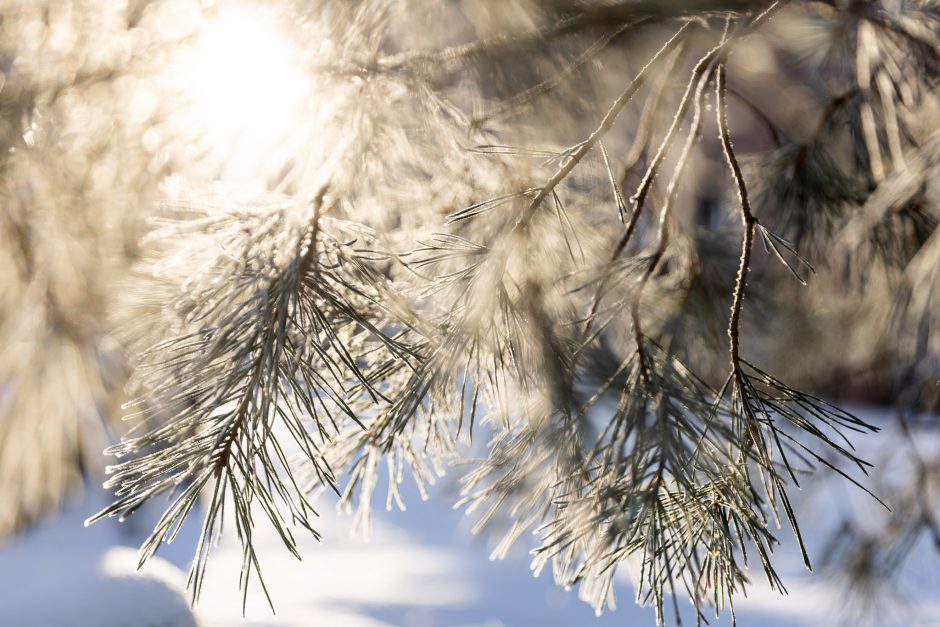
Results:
<point x="747" y="219"/>
<point x="639" y="198"/>
<point x="648" y="117"/>
<point x="223" y="450"/>
<point x="672" y="191"/>
<point x="642" y="192"/>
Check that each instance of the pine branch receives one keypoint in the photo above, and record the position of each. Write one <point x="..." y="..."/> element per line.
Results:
<point x="577" y="155"/>
<point x="747" y="218"/>
<point x="274" y="334"/>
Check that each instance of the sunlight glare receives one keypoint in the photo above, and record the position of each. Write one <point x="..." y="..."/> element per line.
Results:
<point x="246" y="88"/>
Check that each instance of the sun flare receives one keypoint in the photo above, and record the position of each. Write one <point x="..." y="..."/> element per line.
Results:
<point x="246" y="88"/>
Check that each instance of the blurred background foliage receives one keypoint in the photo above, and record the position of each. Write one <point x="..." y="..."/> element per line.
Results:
<point x="132" y="130"/>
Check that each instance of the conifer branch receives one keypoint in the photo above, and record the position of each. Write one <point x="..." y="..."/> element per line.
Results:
<point x="297" y="345"/>
<point x="748" y="220"/>
<point x="610" y="117"/>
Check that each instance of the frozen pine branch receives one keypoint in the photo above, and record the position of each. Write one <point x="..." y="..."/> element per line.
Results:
<point x="600" y="258"/>
<point x="279" y="321"/>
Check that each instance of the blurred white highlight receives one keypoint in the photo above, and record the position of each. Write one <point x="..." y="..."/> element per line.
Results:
<point x="246" y="87"/>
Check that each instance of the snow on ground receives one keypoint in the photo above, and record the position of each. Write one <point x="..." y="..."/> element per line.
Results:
<point x="61" y="575"/>
<point x="420" y="569"/>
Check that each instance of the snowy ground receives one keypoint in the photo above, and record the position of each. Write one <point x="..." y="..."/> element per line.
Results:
<point x="420" y="569"/>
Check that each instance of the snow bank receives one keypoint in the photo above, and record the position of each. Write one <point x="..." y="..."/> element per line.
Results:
<point x="421" y="569"/>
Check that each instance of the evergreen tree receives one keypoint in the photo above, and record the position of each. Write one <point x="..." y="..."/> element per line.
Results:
<point x="610" y="254"/>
